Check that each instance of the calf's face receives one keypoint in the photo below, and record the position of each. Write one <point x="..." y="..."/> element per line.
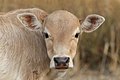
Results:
<point x="61" y="31"/>
<point x="61" y="36"/>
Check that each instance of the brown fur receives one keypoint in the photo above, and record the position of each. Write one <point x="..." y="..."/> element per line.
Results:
<point x="61" y="25"/>
<point x="23" y="53"/>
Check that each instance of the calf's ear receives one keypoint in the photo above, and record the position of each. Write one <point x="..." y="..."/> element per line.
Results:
<point x="91" y="23"/>
<point x="29" y="21"/>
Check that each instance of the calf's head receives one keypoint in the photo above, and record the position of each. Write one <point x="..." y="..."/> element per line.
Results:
<point x="61" y="32"/>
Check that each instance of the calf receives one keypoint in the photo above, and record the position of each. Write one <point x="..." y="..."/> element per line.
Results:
<point x="61" y="31"/>
<point x="23" y="54"/>
<point x="27" y="48"/>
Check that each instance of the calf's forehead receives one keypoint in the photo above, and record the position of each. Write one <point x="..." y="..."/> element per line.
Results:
<point x="61" y="22"/>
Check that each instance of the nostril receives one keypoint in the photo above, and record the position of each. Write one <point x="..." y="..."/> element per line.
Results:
<point x="56" y="60"/>
<point x="67" y="59"/>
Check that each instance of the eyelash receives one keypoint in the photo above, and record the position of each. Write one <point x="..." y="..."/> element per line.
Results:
<point x="46" y="35"/>
<point x="77" y="35"/>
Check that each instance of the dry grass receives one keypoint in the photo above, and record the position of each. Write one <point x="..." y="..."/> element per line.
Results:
<point x="86" y="74"/>
<point x="92" y="49"/>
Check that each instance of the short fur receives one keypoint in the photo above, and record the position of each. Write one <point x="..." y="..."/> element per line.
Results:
<point x="23" y="53"/>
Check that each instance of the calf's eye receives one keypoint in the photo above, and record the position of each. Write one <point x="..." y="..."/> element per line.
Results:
<point x="46" y="35"/>
<point x="77" y="35"/>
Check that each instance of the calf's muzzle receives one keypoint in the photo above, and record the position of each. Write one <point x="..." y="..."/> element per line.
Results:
<point x="61" y="62"/>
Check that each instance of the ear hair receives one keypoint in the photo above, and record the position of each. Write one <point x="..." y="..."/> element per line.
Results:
<point x="29" y="20"/>
<point x="92" y="22"/>
<point x="20" y="16"/>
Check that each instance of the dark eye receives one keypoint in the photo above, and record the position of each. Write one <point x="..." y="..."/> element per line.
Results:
<point x="46" y="35"/>
<point x="77" y="35"/>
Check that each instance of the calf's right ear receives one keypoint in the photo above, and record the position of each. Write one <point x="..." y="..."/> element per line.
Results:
<point x="29" y="21"/>
<point x="92" y="22"/>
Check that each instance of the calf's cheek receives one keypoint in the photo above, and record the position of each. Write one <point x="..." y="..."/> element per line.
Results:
<point x="49" y="46"/>
<point x="73" y="48"/>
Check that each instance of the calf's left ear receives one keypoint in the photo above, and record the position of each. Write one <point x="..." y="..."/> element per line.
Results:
<point x="92" y="22"/>
<point x="29" y="20"/>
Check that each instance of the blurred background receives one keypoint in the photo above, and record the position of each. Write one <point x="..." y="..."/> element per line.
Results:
<point x="100" y="50"/>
